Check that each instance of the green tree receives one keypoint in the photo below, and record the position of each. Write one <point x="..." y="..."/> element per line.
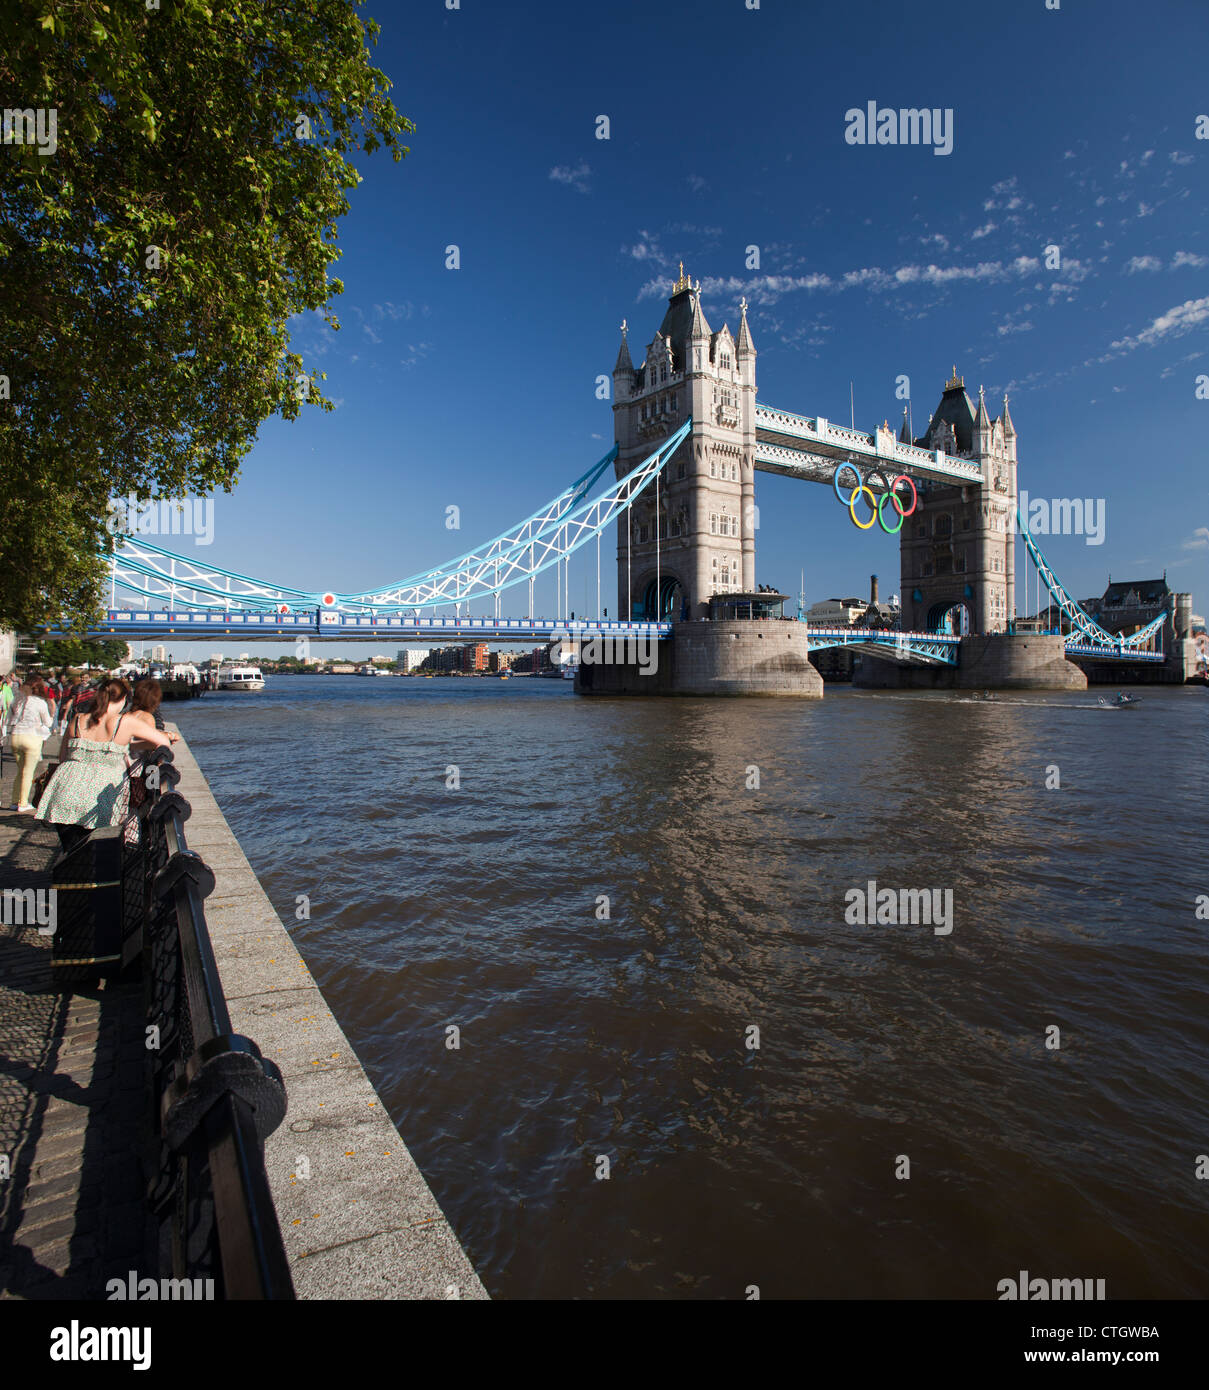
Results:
<point x="53" y="655"/>
<point x="154" y="245"/>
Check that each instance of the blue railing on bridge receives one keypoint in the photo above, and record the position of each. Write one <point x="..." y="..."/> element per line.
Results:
<point x="329" y="622"/>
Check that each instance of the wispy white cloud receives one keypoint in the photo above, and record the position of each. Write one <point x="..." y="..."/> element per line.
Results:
<point x="646" y="248"/>
<point x="985" y="230"/>
<point x="416" y="352"/>
<point x="1005" y="329"/>
<point x="576" y="178"/>
<point x="1136" y="263"/>
<point x="768" y="289"/>
<point x="1175" y="322"/>
<point x="387" y="310"/>
<point x="1189" y="258"/>
<point x="696" y="182"/>
<point x="1199" y="540"/>
<point x="1178" y="157"/>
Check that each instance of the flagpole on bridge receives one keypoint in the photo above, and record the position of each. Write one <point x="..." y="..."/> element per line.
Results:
<point x="658" y="585"/>
<point x="629" y="537"/>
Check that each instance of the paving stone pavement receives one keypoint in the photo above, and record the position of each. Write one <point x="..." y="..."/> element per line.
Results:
<point x="72" y="1213"/>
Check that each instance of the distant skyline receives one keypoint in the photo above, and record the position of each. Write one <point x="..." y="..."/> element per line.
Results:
<point x="475" y="387"/>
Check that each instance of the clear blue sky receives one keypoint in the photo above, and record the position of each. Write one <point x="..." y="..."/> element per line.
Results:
<point x="476" y="387"/>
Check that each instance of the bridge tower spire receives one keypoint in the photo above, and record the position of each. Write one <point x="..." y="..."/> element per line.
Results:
<point x="957" y="551"/>
<point x="700" y="538"/>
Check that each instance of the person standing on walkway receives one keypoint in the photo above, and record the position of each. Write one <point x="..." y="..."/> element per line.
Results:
<point x="29" y="725"/>
<point x="89" y="790"/>
<point x="6" y="697"/>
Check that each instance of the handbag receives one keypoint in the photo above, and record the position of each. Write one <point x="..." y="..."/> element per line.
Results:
<point x="41" y="782"/>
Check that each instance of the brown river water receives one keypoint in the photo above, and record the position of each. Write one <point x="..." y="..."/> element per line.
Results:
<point x="629" y="1039"/>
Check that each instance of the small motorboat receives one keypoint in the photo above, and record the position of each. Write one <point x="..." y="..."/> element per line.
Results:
<point x="1122" y="701"/>
<point x="240" y="678"/>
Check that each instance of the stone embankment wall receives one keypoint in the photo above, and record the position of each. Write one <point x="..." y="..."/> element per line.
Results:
<point x="358" y="1219"/>
<point x="995" y="662"/>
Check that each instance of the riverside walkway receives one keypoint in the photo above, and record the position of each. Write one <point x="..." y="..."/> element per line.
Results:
<point x="356" y="1216"/>
<point x="71" y="1103"/>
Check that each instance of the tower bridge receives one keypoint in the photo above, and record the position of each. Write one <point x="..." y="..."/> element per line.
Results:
<point x="679" y="486"/>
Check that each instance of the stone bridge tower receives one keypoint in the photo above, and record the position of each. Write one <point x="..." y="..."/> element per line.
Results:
<point x="700" y="538"/>
<point x="957" y="550"/>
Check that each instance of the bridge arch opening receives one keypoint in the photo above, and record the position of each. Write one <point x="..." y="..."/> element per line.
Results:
<point x="666" y="605"/>
<point x="951" y="617"/>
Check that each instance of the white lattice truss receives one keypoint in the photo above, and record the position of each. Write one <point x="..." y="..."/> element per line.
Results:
<point x="541" y="541"/>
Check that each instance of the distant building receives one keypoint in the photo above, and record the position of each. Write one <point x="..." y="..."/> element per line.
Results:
<point x="159" y="653"/>
<point x="837" y="612"/>
<point x="534" y="662"/>
<point x="501" y="661"/>
<point x="474" y="657"/>
<point x="443" y="659"/>
<point x="409" y="659"/>
<point x="342" y="668"/>
<point x="1127" y="605"/>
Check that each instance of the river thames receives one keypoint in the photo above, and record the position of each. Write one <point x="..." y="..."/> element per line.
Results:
<point x="623" y="1030"/>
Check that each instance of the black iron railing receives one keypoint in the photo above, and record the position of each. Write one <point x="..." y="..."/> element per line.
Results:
<point x="212" y="1098"/>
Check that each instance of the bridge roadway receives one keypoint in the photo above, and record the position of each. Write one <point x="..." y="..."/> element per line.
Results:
<point x="332" y="625"/>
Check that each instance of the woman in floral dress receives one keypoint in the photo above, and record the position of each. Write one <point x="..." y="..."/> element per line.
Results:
<point x="89" y="788"/>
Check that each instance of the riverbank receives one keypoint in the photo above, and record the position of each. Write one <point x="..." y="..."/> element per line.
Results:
<point x="357" y="1218"/>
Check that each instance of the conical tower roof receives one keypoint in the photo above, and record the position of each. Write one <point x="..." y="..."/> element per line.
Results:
<point x="624" y="364"/>
<point x="982" y="421"/>
<point x="744" y="343"/>
<point x="698" y="327"/>
<point x="1009" y="430"/>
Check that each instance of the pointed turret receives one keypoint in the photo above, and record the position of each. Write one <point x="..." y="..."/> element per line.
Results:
<point x="698" y="328"/>
<point x="904" y="430"/>
<point x="1009" y="431"/>
<point x="624" y="375"/>
<point x="982" y="424"/>
<point x="743" y="344"/>
<point x="623" y="363"/>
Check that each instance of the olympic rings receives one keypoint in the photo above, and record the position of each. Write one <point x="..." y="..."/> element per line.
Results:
<point x="889" y="493"/>
<point x="835" y="481"/>
<point x="856" y="492"/>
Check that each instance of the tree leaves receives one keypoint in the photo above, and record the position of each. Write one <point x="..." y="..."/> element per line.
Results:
<point x="175" y="132"/>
